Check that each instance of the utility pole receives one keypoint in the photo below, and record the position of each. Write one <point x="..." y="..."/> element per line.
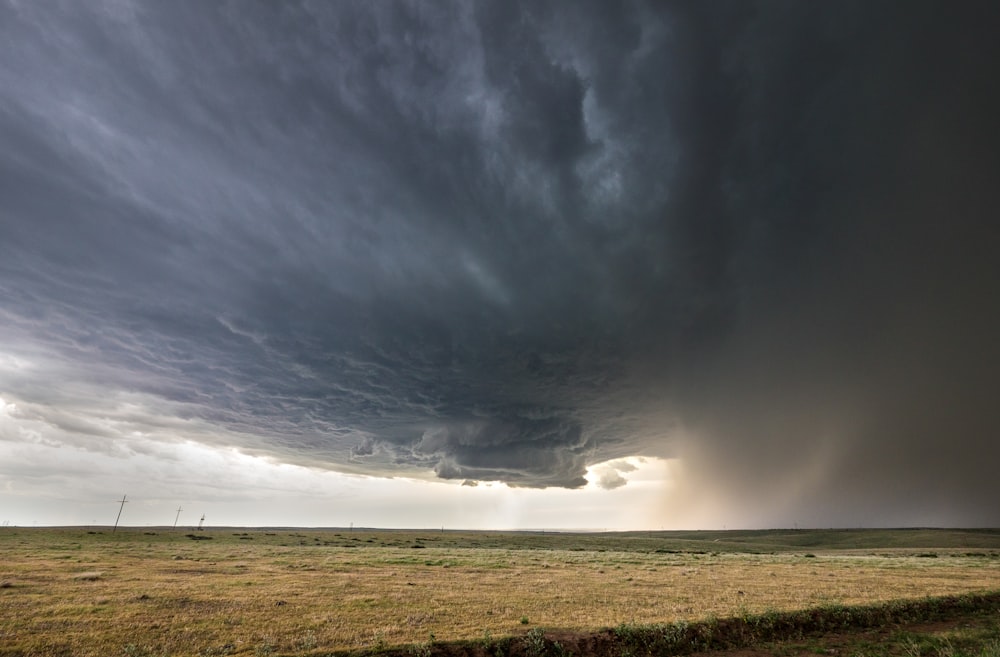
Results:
<point x="122" y="506"/>
<point x="177" y="517"/>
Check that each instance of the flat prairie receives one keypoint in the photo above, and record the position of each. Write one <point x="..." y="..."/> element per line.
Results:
<point x="162" y="591"/>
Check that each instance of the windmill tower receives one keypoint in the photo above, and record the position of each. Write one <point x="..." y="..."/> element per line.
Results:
<point x="201" y="522"/>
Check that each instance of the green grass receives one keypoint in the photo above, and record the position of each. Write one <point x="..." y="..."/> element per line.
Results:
<point x="732" y="541"/>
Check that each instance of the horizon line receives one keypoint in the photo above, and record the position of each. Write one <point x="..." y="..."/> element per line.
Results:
<point x="526" y="530"/>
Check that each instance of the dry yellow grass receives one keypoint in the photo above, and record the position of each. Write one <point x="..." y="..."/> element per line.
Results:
<point x="79" y="594"/>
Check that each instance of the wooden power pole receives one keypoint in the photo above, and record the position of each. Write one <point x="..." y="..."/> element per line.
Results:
<point x="122" y="506"/>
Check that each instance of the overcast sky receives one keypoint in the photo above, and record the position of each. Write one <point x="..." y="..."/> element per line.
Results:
<point x="497" y="264"/>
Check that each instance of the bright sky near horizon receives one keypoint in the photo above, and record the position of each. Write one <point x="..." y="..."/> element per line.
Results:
<point x="500" y="264"/>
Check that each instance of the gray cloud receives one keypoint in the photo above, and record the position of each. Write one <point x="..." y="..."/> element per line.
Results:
<point x="505" y="242"/>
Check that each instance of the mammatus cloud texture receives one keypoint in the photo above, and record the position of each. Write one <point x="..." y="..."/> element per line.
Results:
<point x="504" y="241"/>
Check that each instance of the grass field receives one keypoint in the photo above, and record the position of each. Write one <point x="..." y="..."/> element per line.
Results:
<point x="309" y="592"/>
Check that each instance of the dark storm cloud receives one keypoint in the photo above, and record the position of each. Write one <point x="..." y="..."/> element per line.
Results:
<point x="505" y="242"/>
